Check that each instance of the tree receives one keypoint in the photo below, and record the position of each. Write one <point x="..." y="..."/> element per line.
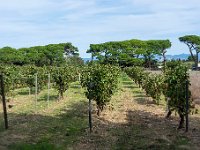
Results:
<point x="163" y="45"/>
<point x="48" y="55"/>
<point x="190" y="58"/>
<point x="193" y="43"/>
<point x="129" y="52"/>
<point x="9" y="55"/>
<point x="124" y="53"/>
<point x="69" y="49"/>
<point x="75" y="61"/>
<point x="151" y="49"/>
<point x="158" y="47"/>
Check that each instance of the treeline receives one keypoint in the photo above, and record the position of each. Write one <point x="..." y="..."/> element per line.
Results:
<point x="141" y="52"/>
<point x="48" y="55"/>
<point x="130" y="52"/>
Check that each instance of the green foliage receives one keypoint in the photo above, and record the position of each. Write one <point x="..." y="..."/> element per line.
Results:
<point x="192" y="39"/>
<point x="74" y="61"/>
<point x="193" y="43"/>
<point x="62" y="77"/>
<point x="100" y="81"/>
<point x="171" y="84"/>
<point x="18" y="77"/>
<point x="137" y="74"/>
<point x="130" y="52"/>
<point x="190" y="58"/>
<point x="151" y="83"/>
<point x="10" y="56"/>
<point x="175" y="80"/>
<point x="7" y="78"/>
<point x="29" y="75"/>
<point x="173" y="64"/>
<point x="49" y="55"/>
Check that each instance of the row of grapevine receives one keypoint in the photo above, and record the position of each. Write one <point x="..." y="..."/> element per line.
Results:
<point x="100" y="82"/>
<point x="151" y="83"/>
<point x="170" y="84"/>
<point x="26" y="76"/>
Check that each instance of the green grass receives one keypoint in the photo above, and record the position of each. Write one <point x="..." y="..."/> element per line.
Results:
<point x="62" y="123"/>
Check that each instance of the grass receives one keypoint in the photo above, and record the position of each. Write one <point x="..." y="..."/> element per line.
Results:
<point x="129" y="121"/>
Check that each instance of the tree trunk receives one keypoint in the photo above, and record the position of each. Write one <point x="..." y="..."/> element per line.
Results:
<point x="168" y="114"/>
<point x="164" y="60"/>
<point x="181" y="122"/>
<point x="92" y="56"/>
<point x="61" y="95"/>
<point x="32" y="89"/>
<point x="192" y="55"/>
<point x="196" y="60"/>
<point x="190" y="49"/>
<point x="99" y="110"/>
<point x="149" y="63"/>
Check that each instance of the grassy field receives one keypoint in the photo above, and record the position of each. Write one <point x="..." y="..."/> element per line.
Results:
<point x="130" y="121"/>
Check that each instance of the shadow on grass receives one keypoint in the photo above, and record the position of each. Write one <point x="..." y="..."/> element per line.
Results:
<point x="144" y="100"/>
<point x="23" y="91"/>
<point x="128" y="84"/>
<point x="140" y="95"/>
<point x="51" y="97"/>
<point x="147" y="131"/>
<point x="75" y="86"/>
<point x="60" y="130"/>
<point x="142" y="130"/>
<point x="69" y="129"/>
<point x="141" y="100"/>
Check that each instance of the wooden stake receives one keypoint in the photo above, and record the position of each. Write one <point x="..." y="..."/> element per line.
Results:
<point x="4" y="101"/>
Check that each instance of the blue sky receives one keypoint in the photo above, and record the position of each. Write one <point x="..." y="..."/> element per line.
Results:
<point x="25" y="23"/>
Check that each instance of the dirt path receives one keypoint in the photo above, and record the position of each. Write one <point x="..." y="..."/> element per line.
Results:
<point x="131" y="121"/>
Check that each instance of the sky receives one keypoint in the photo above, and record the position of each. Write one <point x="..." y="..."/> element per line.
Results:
<point x="26" y="23"/>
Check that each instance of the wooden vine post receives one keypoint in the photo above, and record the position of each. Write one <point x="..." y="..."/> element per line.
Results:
<point x="4" y="101"/>
<point x="36" y="91"/>
<point x="48" y="89"/>
<point x="90" y="110"/>
<point x="90" y="115"/>
<point x="187" y="107"/>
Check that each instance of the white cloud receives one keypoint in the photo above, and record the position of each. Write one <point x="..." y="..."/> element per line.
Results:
<point x="34" y="22"/>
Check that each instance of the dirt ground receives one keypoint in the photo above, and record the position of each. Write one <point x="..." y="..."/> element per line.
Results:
<point x="137" y="123"/>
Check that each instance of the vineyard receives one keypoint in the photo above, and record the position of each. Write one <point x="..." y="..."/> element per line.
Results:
<point x="49" y="103"/>
<point x="99" y="75"/>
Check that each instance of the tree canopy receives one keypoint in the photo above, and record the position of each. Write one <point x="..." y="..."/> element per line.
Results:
<point x="52" y="54"/>
<point x="130" y="52"/>
<point x="193" y="43"/>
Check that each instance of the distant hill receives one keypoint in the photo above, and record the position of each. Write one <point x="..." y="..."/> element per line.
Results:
<point x="179" y="56"/>
<point x="169" y="57"/>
